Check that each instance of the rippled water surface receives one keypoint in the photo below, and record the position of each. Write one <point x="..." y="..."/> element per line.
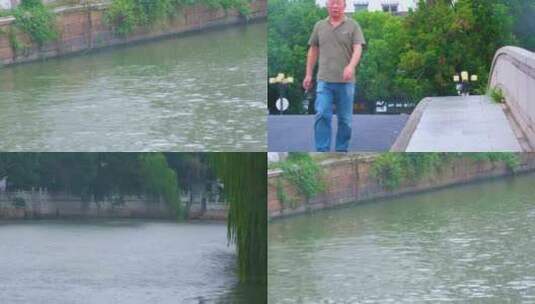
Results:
<point x="199" y="92"/>
<point x="118" y="261"/>
<point x="469" y="244"/>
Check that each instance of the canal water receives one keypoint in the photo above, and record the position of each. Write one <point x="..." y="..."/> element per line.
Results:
<point x="200" y="92"/>
<point x="467" y="244"/>
<point x="118" y="261"/>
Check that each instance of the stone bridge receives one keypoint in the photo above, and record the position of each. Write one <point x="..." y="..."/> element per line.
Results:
<point x="513" y="71"/>
<point x="476" y="123"/>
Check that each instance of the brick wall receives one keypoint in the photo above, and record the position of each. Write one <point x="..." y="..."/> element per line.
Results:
<point x="349" y="180"/>
<point x="82" y="28"/>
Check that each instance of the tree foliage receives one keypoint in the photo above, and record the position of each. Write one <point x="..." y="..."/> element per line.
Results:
<point x="523" y="13"/>
<point x="378" y="73"/>
<point x="448" y="39"/>
<point x="289" y="26"/>
<point x="96" y="176"/>
<point x="245" y="180"/>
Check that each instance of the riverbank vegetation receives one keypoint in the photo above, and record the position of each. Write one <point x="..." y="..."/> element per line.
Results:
<point x="34" y="19"/>
<point x="38" y="21"/>
<point x="411" y="56"/>
<point x="302" y="172"/>
<point x="125" y="15"/>
<point x="391" y="169"/>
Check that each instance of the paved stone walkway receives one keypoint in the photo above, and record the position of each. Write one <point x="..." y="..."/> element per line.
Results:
<point x="295" y="133"/>
<point x="463" y="124"/>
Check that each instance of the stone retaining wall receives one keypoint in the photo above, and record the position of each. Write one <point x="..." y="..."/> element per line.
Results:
<point x="349" y="180"/>
<point x="42" y="204"/>
<point x="83" y="28"/>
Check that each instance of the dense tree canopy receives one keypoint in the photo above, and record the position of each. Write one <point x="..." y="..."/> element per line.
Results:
<point x="99" y="175"/>
<point x="413" y="56"/>
<point x="290" y="24"/>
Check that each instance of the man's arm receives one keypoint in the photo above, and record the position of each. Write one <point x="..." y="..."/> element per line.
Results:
<point x="312" y="58"/>
<point x="349" y="70"/>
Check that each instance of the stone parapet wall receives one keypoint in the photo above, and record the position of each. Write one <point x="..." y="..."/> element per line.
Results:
<point x="84" y="28"/>
<point x="349" y="180"/>
<point x="513" y="71"/>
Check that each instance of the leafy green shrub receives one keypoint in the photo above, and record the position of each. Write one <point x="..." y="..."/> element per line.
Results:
<point x="36" y="20"/>
<point x="305" y="174"/>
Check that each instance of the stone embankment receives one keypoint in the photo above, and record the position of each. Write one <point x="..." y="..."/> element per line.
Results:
<point x="44" y="205"/>
<point x="83" y="28"/>
<point x="349" y="180"/>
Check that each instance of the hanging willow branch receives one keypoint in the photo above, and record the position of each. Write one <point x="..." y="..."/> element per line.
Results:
<point x="244" y="176"/>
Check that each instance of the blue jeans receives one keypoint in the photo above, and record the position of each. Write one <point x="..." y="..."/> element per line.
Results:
<point x="327" y="94"/>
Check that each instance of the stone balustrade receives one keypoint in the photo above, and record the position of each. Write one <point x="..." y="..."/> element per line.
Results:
<point x="513" y="72"/>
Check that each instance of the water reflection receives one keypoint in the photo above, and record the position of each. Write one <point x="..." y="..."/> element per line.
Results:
<point x="198" y="92"/>
<point x="119" y="261"/>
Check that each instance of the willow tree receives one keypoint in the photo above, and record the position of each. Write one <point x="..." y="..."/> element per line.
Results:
<point x="245" y="181"/>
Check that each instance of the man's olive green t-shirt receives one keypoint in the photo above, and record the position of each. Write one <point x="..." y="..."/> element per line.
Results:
<point x="335" y="47"/>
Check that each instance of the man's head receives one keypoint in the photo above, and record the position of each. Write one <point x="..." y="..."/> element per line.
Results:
<point x="336" y="8"/>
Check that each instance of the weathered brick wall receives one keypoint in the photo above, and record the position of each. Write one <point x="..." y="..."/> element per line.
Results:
<point x="81" y="28"/>
<point x="349" y="180"/>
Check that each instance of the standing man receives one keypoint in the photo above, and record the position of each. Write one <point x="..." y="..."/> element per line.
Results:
<point x="337" y="41"/>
